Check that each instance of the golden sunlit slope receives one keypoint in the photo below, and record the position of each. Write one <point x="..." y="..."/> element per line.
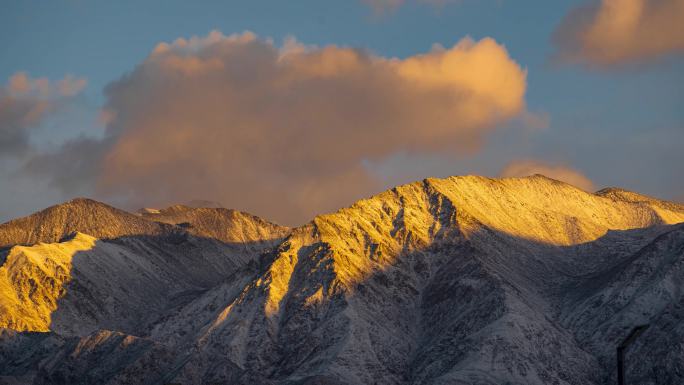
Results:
<point x="373" y="232"/>
<point x="32" y="280"/>
<point x="545" y="210"/>
<point x="533" y="208"/>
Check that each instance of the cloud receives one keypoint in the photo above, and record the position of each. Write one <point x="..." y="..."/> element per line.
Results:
<point x="24" y="103"/>
<point x="20" y="84"/>
<point x="284" y="132"/>
<point x="521" y="168"/>
<point x="385" y="6"/>
<point x="70" y="85"/>
<point x="615" y="32"/>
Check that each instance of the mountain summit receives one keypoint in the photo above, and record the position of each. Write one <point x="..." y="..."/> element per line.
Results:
<point x="463" y="280"/>
<point x="80" y="214"/>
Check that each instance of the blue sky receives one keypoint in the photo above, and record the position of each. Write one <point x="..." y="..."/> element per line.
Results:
<point x="620" y="126"/>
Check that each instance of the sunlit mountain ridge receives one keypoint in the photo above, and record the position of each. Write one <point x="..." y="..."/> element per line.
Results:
<point x="458" y="280"/>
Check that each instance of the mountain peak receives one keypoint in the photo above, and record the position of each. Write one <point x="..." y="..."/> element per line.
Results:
<point x="626" y="195"/>
<point x="83" y="200"/>
<point x="619" y="194"/>
<point x="203" y="203"/>
<point x="534" y="207"/>
<point x="226" y="225"/>
<point x="80" y="214"/>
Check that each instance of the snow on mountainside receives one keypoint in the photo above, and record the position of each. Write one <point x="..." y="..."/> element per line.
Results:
<point x="464" y="280"/>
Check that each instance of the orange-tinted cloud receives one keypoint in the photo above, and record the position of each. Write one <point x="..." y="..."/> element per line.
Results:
<point x="615" y="32"/>
<point x="20" y="84"/>
<point x="24" y="102"/>
<point x="284" y="132"/>
<point x="565" y="174"/>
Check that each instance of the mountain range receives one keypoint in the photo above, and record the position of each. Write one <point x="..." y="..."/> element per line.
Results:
<point x="462" y="280"/>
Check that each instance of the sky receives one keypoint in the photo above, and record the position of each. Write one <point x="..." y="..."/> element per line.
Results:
<point x="292" y="109"/>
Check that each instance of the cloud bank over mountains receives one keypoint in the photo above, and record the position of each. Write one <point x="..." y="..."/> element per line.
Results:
<point x="239" y="120"/>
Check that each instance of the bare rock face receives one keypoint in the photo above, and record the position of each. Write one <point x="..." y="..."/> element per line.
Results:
<point x="464" y="280"/>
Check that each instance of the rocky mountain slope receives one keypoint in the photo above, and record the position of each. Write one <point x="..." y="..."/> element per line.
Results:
<point x="464" y="280"/>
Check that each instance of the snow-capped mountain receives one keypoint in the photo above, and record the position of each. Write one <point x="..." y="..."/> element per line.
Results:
<point x="464" y="280"/>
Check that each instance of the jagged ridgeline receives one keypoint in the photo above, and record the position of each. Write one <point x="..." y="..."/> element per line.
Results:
<point x="464" y="280"/>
